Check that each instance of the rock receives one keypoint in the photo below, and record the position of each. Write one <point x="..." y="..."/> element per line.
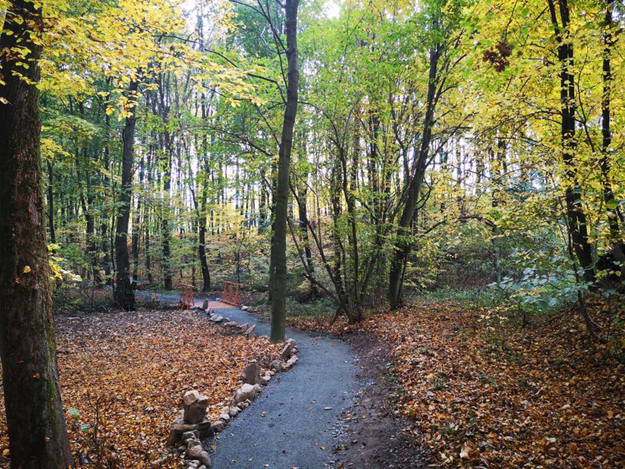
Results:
<point x="196" y="308"/>
<point x="220" y="426"/>
<point x="245" y="308"/>
<point x="244" y="326"/>
<point x="199" y="454"/>
<point x="190" y="435"/>
<point x="205" y="305"/>
<point x="290" y="362"/>
<point x="231" y="324"/>
<point x="179" y="428"/>
<point x="225" y="417"/>
<point x="217" y="318"/>
<point x="251" y="373"/>
<point x="195" y="405"/>
<point x="246" y="392"/>
<point x="264" y="380"/>
<point x="277" y="365"/>
<point x="190" y="397"/>
<point x="202" y="467"/>
<point x="234" y="411"/>
<point x="250" y="330"/>
<point x="193" y="442"/>
<point x="287" y="351"/>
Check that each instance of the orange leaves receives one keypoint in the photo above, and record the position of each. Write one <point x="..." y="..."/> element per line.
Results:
<point x="123" y="376"/>
<point x="505" y="396"/>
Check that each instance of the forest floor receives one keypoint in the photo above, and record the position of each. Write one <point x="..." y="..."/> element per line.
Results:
<point x="436" y="384"/>
<point x="480" y="389"/>
<point x="125" y="374"/>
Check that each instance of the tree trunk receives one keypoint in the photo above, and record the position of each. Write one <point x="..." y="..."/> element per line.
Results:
<point x="146" y="220"/>
<point x="403" y="243"/>
<point x="262" y="204"/>
<point x="34" y="411"/>
<point x="200" y="209"/>
<point x="206" y="276"/>
<point x="166" y="246"/>
<point x="136" y="222"/>
<point x="612" y="211"/>
<point x="148" y="258"/>
<point x="576" y="218"/>
<point x="51" y="202"/>
<point x="124" y="294"/>
<point x="86" y="201"/>
<point x="105" y="218"/>
<point x="303" y="226"/>
<point x="278" y="246"/>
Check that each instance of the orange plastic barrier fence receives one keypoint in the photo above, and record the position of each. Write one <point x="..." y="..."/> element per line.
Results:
<point x="231" y="293"/>
<point x="186" y="297"/>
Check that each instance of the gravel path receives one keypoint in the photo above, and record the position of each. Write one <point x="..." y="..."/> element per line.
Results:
<point x="295" y="422"/>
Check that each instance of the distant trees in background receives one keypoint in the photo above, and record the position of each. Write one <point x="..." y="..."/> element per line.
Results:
<point x="454" y="144"/>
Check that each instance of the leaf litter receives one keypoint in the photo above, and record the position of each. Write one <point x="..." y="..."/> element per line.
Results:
<point x="123" y="376"/>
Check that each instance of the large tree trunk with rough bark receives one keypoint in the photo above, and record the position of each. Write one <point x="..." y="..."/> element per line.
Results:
<point x="278" y="245"/>
<point x="34" y="411"/>
<point x="124" y="293"/>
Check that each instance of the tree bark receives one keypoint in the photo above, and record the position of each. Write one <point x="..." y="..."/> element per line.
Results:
<point x="105" y="217"/>
<point x="612" y="212"/>
<point x="206" y="277"/>
<point x="303" y="226"/>
<point x="86" y="201"/>
<point x="51" y="202"/>
<point x="166" y="212"/>
<point x="403" y="244"/>
<point x="576" y="218"/>
<point x="136" y="230"/>
<point x="34" y="411"/>
<point x="124" y="294"/>
<point x="278" y="246"/>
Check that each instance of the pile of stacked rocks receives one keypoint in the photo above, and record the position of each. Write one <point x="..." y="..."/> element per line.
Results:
<point x="190" y="426"/>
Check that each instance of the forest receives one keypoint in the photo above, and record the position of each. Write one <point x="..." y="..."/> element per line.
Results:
<point x="415" y="206"/>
